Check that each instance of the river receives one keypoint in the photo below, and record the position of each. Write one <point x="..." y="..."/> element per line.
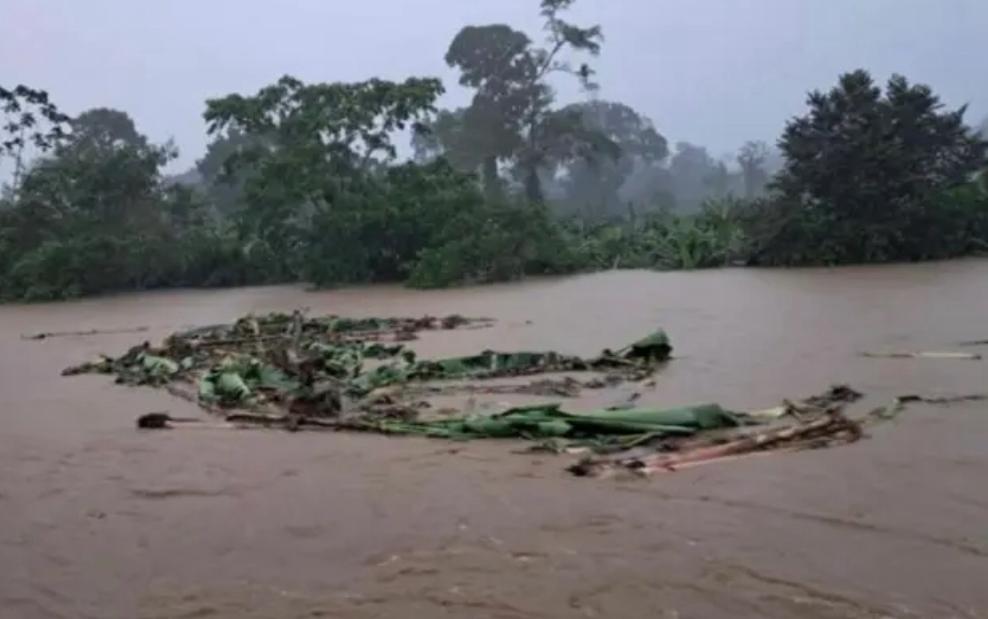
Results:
<point x="99" y="520"/>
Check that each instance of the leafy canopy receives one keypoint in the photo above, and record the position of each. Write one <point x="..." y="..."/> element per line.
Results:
<point x="628" y="139"/>
<point x="25" y="113"/>
<point x="310" y="147"/>
<point x="865" y="170"/>
<point x="510" y="118"/>
<point x="353" y="122"/>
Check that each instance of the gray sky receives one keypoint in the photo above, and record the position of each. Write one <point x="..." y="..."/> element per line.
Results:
<point x="714" y="72"/>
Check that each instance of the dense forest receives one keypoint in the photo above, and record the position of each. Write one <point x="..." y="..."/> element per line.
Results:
<point x="303" y="182"/>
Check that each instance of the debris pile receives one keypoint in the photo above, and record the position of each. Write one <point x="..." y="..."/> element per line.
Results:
<point x="296" y="372"/>
<point x="349" y="373"/>
<point x="549" y="422"/>
<point x="812" y="423"/>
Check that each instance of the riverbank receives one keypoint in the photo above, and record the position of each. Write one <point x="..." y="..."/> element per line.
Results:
<point x="98" y="520"/>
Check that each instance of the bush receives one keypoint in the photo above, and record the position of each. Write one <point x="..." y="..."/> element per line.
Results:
<point x="711" y="238"/>
<point x="493" y="243"/>
<point x="949" y="223"/>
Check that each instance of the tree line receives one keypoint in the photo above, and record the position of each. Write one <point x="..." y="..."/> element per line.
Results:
<point x="302" y="182"/>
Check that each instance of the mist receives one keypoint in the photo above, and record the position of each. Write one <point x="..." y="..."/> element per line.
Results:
<point x="712" y="72"/>
<point x="441" y="144"/>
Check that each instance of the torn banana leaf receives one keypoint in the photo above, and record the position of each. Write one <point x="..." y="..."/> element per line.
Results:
<point x="548" y="421"/>
<point x="224" y="386"/>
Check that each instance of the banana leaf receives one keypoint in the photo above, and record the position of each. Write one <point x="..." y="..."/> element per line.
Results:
<point x="158" y="367"/>
<point x="344" y="361"/>
<point x="231" y="386"/>
<point x="491" y="364"/>
<point x="381" y="376"/>
<point x="548" y="421"/>
<point x="699" y="417"/>
<point x="256" y="374"/>
<point x="207" y="390"/>
<point x="270" y="378"/>
<point x="224" y="386"/>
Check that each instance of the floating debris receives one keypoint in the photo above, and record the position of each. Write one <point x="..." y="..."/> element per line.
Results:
<point x="924" y="355"/>
<point x="50" y="334"/>
<point x="352" y="370"/>
<point x="884" y="413"/>
<point x="942" y="400"/>
<point x="549" y="422"/>
<point x="821" y="422"/>
<point x="293" y="372"/>
<point x="161" y="421"/>
<point x="831" y="429"/>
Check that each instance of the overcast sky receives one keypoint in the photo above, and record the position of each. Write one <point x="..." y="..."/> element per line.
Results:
<point x="714" y="72"/>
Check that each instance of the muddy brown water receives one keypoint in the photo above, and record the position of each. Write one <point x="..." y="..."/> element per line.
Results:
<point x="98" y="520"/>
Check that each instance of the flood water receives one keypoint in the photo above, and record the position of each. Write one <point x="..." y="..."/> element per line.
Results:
<point x="98" y="520"/>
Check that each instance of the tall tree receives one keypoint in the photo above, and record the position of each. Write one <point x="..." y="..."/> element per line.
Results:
<point x="93" y="215"/>
<point x="984" y="136"/>
<point x="104" y="129"/>
<point x="497" y="62"/>
<point x="752" y="158"/>
<point x="322" y="143"/>
<point x="717" y="181"/>
<point x="29" y="118"/>
<point x="511" y="116"/>
<point x="104" y="174"/>
<point x="651" y="186"/>
<point x="459" y="137"/>
<point x="226" y="167"/>
<point x="865" y="167"/>
<point x="695" y="175"/>
<point x="596" y="181"/>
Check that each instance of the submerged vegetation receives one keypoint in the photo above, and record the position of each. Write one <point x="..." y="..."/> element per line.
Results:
<point x="333" y="373"/>
<point x="302" y="182"/>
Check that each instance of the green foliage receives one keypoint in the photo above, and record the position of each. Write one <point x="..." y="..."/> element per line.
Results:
<point x="752" y="158"/>
<point x="867" y="176"/>
<point x="597" y="181"/>
<point x="25" y="113"/>
<point x="226" y="168"/>
<point x="102" y="129"/>
<point x="28" y="118"/>
<point x="95" y="217"/>
<point x="493" y="243"/>
<point x="331" y="213"/>
<point x="351" y="121"/>
<point x="696" y="176"/>
<point x="378" y="233"/>
<point x="511" y="119"/>
<point x="710" y="238"/>
<point x="301" y="183"/>
<point x="312" y="163"/>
